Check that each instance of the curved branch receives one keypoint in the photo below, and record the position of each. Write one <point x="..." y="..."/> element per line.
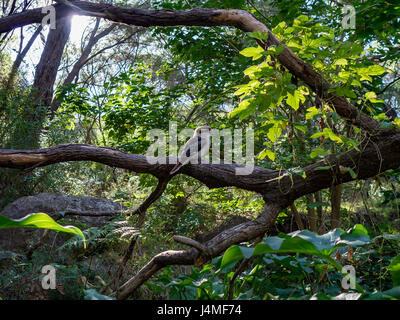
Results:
<point x="157" y="192"/>
<point x="192" y="243"/>
<point x="243" y="232"/>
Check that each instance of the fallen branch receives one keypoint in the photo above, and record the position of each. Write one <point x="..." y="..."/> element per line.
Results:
<point x="241" y="233"/>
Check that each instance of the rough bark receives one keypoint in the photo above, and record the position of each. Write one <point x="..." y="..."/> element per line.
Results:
<point x="46" y="70"/>
<point x="297" y="217"/>
<point x="373" y="159"/>
<point x="336" y="199"/>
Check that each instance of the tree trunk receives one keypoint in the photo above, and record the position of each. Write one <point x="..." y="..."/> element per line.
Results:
<point x="27" y="135"/>
<point x="336" y="199"/>
<point x="312" y="219"/>
<point x="320" y="222"/>
<point x="82" y="59"/>
<point x="297" y="217"/>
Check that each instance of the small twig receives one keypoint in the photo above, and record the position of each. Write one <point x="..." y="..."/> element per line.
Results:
<point x="388" y="85"/>
<point x="192" y="243"/>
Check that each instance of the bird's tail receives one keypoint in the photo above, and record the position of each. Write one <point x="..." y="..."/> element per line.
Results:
<point x="176" y="168"/>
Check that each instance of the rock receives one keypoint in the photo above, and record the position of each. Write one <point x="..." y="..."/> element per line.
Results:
<point x="99" y="209"/>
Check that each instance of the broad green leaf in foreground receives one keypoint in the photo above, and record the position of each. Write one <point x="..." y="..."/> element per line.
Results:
<point x="394" y="269"/>
<point x="39" y="220"/>
<point x="391" y="294"/>
<point x="304" y="241"/>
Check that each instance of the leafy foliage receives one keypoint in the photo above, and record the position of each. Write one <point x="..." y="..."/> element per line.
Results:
<point x="39" y="220"/>
<point x="272" y="273"/>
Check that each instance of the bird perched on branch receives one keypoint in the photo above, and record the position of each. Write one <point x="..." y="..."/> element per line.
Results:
<point x="196" y="147"/>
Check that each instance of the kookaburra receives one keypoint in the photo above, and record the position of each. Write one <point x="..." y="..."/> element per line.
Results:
<point x="196" y="147"/>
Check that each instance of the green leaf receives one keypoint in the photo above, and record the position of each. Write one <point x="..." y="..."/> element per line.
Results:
<point x="317" y="135"/>
<point x="391" y="294"/>
<point x="274" y="132"/>
<point x="331" y="135"/>
<point x="249" y="72"/>
<point x="340" y="62"/>
<point x="355" y="236"/>
<point x="252" y="52"/>
<point x="303" y="241"/>
<point x="39" y="220"/>
<point x="301" y="127"/>
<point x="294" y="99"/>
<point x="352" y="173"/>
<point x="312" y="112"/>
<point x="348" y="92"/>
<point x="259" y="35"/>
<point x="370" y="95"/>
<point x="375" y="70"/>
<point x="394" y="269"/>
<point x="267" y="153"/>
<point x="245" y="109"/>
<point x="323" y="168"/>
<point x="303" y="18"/>
<point x="233" y="254"/>
<point x="318" y="152"/>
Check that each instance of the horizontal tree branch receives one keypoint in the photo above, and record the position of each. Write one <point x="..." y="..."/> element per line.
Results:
<point x="372" y="159"/>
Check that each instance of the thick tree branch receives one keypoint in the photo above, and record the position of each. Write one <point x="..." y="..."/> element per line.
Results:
<point x="243" y="232"/>
<point x="278" y="190"/>
<point x="27" y="17"/>
<point x="374" y="158"/>
<point x="20" y="57"/>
